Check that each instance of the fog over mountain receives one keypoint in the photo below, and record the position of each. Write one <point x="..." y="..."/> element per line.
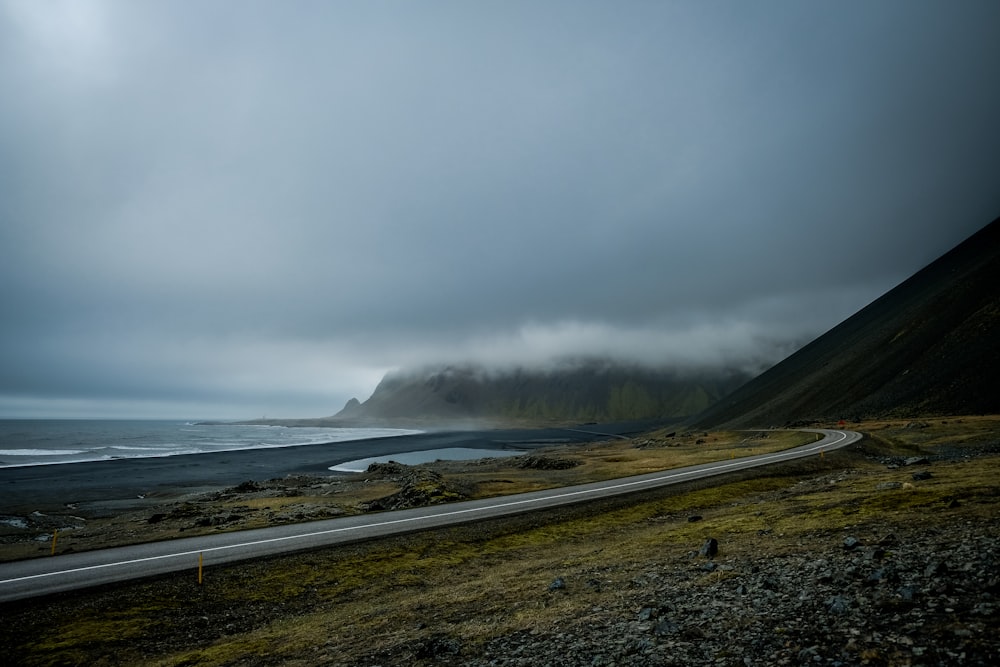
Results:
<point x="224" y="210"/>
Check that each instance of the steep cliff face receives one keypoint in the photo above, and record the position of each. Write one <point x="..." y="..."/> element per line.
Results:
<point x="587" y="391"/>
<point x="929" y="346"/>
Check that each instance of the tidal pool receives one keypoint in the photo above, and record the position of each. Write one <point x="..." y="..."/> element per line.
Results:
<point x="426" y="456"/>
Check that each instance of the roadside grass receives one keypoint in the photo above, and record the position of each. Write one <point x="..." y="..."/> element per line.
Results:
<point x="476" y="582"/>
<point x="475" y="590"/>
<point x="652" y="452"/>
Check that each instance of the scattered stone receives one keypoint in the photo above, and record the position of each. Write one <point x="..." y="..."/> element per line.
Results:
<point x="437" y="647"/>
<point x="917" y="461"/>
<point x="851" y="543"/>
<point x="694" y="517"/>
<point x="935" y="568"/>
<point x="888" y="486"/>
<point x="558" y="584"/>
<point x="710" y="548"/>
<point x="878" y="576"/>
<point x="922" y="475"/>
<point x="666" y="627"/>
<point x="917" y="425"/>
<point x="248" y="486"/>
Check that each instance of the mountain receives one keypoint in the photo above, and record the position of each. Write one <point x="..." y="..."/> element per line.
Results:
<point x="593" y="390"/>
<point x="930" y="346"/>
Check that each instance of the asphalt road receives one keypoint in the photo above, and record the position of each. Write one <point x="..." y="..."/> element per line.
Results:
<point x="43" y="576"/>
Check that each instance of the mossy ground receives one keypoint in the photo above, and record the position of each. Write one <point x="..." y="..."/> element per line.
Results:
<point x="349" y="494"/>
<point x="481" y="581"/>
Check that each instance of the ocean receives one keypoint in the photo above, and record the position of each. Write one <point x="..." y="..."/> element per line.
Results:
<point x="26" y="442"/>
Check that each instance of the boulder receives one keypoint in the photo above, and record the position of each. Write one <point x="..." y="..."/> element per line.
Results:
<point x="710" y="548"/>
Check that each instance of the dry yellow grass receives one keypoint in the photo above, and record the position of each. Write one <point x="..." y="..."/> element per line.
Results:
<point x="478" y="582"/>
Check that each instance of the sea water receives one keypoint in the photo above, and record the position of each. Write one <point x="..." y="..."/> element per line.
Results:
<point x="39" y="442"/>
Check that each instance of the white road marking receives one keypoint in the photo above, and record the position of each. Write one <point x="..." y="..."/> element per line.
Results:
<point x="799" y="451"/>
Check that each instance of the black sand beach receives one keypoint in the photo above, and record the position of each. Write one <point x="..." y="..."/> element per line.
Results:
<point x="123" y="484"/>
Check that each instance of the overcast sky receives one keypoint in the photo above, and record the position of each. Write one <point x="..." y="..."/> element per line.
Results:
<point x="225" y="209"/>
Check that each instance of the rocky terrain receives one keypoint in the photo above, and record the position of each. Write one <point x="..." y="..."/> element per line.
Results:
<point x="884" y="555"/>
<point x="902" y="598"/>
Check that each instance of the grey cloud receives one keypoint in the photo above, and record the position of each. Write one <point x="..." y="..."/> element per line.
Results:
<point x="285" y="201"/>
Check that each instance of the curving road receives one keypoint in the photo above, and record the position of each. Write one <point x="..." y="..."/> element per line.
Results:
<point x="43" y="576"/>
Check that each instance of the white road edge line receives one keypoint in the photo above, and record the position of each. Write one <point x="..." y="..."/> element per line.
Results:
<point x="818" y="446"/>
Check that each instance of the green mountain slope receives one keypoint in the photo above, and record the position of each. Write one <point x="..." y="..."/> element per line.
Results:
<point x="931" y="346"/>
<point x="590" y="391"/>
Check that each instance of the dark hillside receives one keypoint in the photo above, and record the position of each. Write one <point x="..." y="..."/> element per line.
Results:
<point x="928" y="347"/>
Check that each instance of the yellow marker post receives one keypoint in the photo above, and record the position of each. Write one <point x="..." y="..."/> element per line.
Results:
<point x="821" y="453"/>
<point x="199" y="568"/>
<point x="55" y="538"/>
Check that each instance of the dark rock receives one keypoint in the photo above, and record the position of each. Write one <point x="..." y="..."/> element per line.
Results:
<point x="922" y="475"/>
<point x="248" y="486"/>
<point x="851" y="543"/>
<point x="546" y="463"/>
<point x="156" y="518"/>
<point x="888" y="486"/>
<point x="694" y="517"/>
<point x="558" y="584"/>
<point x="878" y="576"/>
<point x="838" y="604"/>
<point x="908" y="592"/>
<point x="387" y="469"/>
<point x="709" y="567"/>
<point x="647" y="613"/>
<point x="436" y="647"/>
<point x="876" y="553"/>
<point x="935" y="569"/>
<point x="710" y="548"/>
<point x="666" y="627"/>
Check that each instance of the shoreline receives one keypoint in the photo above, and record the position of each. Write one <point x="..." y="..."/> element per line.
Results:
<point x="141" y="482"/>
